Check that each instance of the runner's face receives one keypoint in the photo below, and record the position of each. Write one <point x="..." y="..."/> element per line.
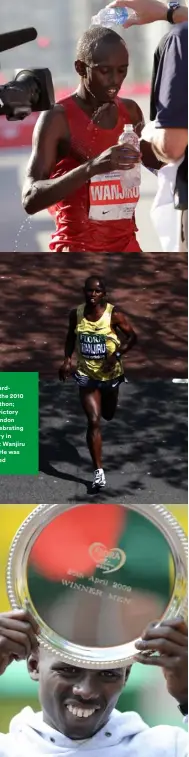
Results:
<point x="74" y="701"/>
<point x="106" y="74"/>
<point x="94" y="295"/>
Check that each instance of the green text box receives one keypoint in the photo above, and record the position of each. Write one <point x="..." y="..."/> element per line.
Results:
<point x="19" y="425"/>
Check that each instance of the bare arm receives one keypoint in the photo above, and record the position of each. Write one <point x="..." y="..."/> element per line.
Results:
<point x="148" y="11"/>
<point x="150" y="159"/>
<point x="66" y="367"/>
<point x="71" y="335"/>
<point x="169" y="144"/>
<point x="120" y="322"/>
<point x="39" y="191"/>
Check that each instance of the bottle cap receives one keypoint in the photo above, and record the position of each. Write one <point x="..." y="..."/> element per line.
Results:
<point x="128" y="127"/>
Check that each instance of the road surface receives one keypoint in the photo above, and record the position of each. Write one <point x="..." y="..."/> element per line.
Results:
<point x="144" y="448"/>
<point x="38" y="291"/>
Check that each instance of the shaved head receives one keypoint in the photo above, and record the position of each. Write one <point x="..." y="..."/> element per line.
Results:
<point x="92" y="39"/>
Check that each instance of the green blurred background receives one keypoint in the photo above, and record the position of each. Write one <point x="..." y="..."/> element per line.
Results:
<point x="145" y="691"/>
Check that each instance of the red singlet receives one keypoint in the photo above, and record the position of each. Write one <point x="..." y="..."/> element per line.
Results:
<point x="78" y="228"/>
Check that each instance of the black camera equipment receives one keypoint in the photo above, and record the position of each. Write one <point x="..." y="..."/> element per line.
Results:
<point x="31" y="90"/>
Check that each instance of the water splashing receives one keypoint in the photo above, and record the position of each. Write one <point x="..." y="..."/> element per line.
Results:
<point x="25" y="226"/>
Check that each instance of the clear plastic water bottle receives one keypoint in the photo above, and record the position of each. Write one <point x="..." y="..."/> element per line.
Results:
<point x="110" y="17"/>
<point x="132" y="177"/>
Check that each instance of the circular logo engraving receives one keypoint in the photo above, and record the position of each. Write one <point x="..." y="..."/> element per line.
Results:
<point x="107" y="560"/>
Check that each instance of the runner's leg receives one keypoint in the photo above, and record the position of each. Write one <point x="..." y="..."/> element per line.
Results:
<point x="91" y="404"/>
<point x="109" y="400"/>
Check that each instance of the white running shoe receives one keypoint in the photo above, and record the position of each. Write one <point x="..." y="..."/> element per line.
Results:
<point x="179" y="381"/>
<point x="99" y="479"/>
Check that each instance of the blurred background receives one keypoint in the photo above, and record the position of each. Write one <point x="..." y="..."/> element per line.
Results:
<point x="145" y="691"/>
<point x="59" y="26"/>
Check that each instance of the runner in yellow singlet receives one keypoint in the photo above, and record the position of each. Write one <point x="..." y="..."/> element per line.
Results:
<point x="93" y="334"/>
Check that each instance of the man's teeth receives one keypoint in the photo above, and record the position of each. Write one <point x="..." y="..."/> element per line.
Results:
<point x="78" y="712"/>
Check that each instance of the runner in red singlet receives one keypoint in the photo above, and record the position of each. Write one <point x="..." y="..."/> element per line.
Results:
<point x="76" y="160"/>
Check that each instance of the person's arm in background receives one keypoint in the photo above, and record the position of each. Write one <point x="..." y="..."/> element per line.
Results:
<point x="149" y="11"/>
<point x="170" y="136"/>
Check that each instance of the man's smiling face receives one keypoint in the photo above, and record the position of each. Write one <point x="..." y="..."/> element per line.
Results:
<point x="75" y="701"/>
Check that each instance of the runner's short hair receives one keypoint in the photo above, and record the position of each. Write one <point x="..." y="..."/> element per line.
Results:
<point x="90" y="40"/>
<point x="96" y="278"/>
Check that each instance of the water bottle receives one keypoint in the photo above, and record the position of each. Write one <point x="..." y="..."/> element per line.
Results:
<point x="132" y="177"/>
<point x="110" y="17"/>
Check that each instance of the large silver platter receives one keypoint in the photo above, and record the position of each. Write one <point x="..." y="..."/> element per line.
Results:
<point x="94" y="575"/>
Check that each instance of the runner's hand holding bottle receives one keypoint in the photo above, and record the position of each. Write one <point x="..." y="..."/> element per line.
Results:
<point x="121" y="157"/>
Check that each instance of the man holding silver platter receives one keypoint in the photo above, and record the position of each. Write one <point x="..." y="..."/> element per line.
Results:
<point x="78" y="705"/>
